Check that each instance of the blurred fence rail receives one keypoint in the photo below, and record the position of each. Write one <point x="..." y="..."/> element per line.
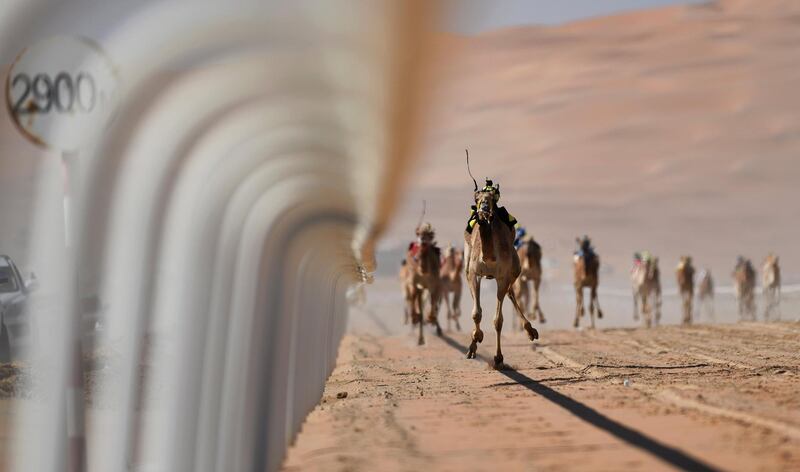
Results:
<point x="254" y="156"/>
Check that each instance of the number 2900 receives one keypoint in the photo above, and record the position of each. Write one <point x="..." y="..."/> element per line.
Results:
<point x="63" y="93"/>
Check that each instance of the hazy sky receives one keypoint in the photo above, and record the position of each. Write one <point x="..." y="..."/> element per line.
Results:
<point x="95" y="18"/>
<point x="471" y="16"/>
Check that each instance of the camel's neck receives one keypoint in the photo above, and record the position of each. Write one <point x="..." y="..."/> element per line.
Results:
<point x="427" y="260"/>
<point x="452" y="265"/>
<point x="771" y="272"/>
<point x="449" y="263"/>
<point x="487" y="241"/>
<point x="684" y="276"/>
<point x="531" y="255"/>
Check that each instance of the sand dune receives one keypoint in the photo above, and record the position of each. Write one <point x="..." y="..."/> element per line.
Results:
<point x="674" y="129"/>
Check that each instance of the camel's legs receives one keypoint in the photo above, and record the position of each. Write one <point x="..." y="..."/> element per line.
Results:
<point x="740" y="305"/>
<point x="406" y="310"/>
<point x="433" y="315"/>
<point x="523" y="298"/>
<point x="502" y="289"/>
<point x="536" y="308"/>
<point x="687" y="308"/>
<point x="710" y="304"/>
<point x="596" y="304"/>
<point x="457" y="305"/>
<point x="646" y="308"/>
<point x="702" y="308"/>
<point x="477" y="335"/>
<point x="635" y="305"/>
<point x="418" y="315"/>
<point x="446" y="300"/>
<point x="746" y="307"/>
<point x="409" y="312"/>
<point x="526" y="324"/>
<point x="683" y="306"/>
<point x="578" y="304"/>
<point x="658" y="305"/>
<point x="772" y="302"/>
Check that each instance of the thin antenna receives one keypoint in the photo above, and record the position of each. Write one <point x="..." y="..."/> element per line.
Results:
<point x="470" y="172"/>
<point x="422" y="217"/>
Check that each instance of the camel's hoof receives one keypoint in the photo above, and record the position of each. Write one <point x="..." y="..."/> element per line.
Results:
<point x="421" y="342"/>
<point x="533" y="335"/>
<point x="472" y="348"/>
<point x="575" y="324"/>
<point x="498" y="361"/>
<point x="477" y="337"/>
<point x="439" y="331"/>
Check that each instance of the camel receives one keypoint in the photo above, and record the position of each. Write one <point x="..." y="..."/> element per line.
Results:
<point x="451" y="268"/>
<point x="705" y="294"/>
<point x="771" y="283"/>
<point x="744" y="276"/>
<point x="530" y="256"/>
<point x="646" y="280"/>
<point x="489" y="253"/>
<point x="685" y="276"/>
<point x="422" y="266"/>
<point x="405" y="285"/>
<point x="586" y="270"/>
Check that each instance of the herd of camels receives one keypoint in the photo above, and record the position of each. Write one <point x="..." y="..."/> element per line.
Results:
<point x="429" y="277"/>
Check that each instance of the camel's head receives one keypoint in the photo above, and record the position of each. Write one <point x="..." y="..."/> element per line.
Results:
<point x="425" y="235"/>
<point x="449" y="252"/>
<point x="584" y="243"/>
<point x="772" y="259"/>
<point x="741" y="262"/>
<point x="652" y="266"/>
<point x="486" y="203"/>
<point x="685" y="261"/>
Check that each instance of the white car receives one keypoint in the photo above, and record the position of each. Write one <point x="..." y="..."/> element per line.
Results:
<point x="16" y="328"/>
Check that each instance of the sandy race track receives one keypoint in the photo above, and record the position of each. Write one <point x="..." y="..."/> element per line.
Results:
<point x="720" y="397"/>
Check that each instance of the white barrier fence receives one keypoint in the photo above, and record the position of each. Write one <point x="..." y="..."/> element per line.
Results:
<point x="253" y="158"/>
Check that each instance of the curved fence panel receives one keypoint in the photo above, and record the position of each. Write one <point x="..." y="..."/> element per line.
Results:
<point x="216" y="219"/>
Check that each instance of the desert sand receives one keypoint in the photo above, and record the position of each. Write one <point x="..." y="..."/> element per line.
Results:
<point x="673" y="130"/>
<point x="721" y="397"/>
